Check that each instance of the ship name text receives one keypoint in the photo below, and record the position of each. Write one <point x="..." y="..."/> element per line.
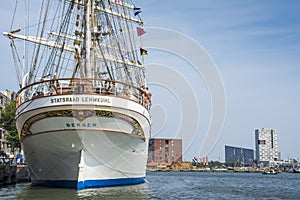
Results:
<point x="84" y="125"/>
<point x="83" y="99"/>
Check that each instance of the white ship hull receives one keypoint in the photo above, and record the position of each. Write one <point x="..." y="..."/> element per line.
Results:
<point x="84" y="141"/>
<point x="83" y="106"/>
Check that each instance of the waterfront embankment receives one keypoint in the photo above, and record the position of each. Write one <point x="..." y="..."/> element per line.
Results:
<point x="11" y="173"/>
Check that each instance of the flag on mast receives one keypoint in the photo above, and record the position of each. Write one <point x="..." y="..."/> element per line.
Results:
<point x="195" y="159"/>
<point x="143" y="52"/>
<point x="137" y="12"/>
<point x="140" y="31"/>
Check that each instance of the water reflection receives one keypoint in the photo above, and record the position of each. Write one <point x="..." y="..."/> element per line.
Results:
<point x="128" y="192"/>
<point x="176" y="185"/>
<point x="27" y="191"/>
<point x="36" y="192"/>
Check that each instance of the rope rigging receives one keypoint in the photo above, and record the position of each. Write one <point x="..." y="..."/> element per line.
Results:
<point x="113" y="50"/>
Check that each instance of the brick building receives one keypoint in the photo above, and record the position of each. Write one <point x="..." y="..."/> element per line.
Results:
<point x="165" y="150"/>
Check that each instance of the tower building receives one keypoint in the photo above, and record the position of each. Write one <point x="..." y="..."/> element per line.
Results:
<point x="266" y="144"/>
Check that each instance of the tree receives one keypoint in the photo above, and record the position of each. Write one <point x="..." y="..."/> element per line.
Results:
<point x="8" y="122"/>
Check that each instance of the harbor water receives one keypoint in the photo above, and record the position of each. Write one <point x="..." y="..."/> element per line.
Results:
<point x="176" y="185"/>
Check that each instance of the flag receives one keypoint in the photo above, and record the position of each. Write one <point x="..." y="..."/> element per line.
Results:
<point x="122" y="30"/>
<point x="137" y="12"/>
<point x="143" y="52"/>
<point x="195" y="159"/>
<point x="135" y="8"/>
<point x="140" y="31"/>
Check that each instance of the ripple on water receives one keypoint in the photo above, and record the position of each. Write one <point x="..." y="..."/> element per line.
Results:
<point x="176" y="185"/>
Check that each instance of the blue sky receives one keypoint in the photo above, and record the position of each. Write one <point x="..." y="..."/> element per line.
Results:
<point x="256" y="48"/>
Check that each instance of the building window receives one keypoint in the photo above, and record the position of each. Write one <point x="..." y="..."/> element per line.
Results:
<point x="261" y="141"/>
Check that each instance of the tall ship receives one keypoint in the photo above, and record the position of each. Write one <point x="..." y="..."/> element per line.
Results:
<point x="83" y="104"/>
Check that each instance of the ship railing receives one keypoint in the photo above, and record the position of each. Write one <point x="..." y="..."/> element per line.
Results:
<point x="69" y="86"/>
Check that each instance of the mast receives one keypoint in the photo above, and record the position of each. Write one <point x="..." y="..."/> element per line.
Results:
<point x="97" y="41"/>
<point x="89" y="7"/>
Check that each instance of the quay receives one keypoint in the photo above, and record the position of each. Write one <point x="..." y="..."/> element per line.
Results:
<point x="11" y="173"/>
<point x="210" y="167"/>
<point x="8" y="170"/>
<point x="202" y="170"/>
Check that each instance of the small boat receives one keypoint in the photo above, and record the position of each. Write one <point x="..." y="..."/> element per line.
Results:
<point x="270" y="171"/>
<point x="296" y="170"/>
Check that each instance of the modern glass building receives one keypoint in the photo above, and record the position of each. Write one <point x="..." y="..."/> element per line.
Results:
<point x="238" y="156"/>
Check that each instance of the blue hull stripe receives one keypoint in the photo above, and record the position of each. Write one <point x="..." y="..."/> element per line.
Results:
<point x="90" y="183"/>
<point x="109" y="182"/>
